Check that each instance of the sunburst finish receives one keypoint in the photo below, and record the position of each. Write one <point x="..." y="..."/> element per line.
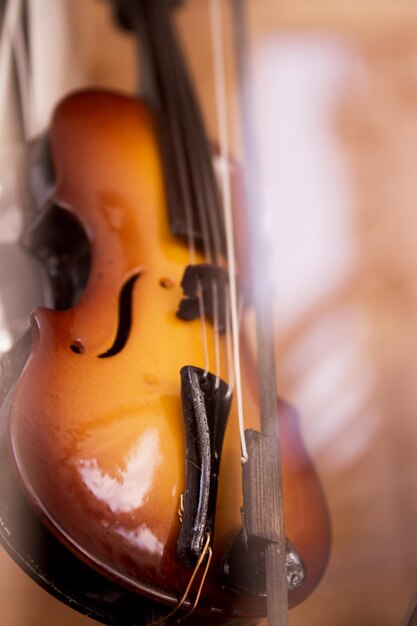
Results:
<point x="98" y="443"/>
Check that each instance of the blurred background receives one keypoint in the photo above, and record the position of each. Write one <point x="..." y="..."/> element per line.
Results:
<point x="335" y="109"/>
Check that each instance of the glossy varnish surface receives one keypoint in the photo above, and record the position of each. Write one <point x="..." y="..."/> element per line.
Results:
<point x="99" y="442"/>
<point x="372" y="571"/>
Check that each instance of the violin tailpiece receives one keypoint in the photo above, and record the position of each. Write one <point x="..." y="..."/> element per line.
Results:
<point x="206" y="405"/>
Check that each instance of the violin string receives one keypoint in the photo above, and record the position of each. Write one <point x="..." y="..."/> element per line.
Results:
<point x="229" y="343"/>
<point x="200" y="587"/>
<point x="156" y="35"/>
<point x="190" y="156"/>
<point x="206" y="551"/>
<point x="204" y="180"/>
<point x="153" y="36"/>
<point x="199" y="188"/>
<point x="219" y="76"/>
<point x="215" y="294"/>
<point x="229" y="348"/>
<point x="175" y="100"/>
<point x="203" y="327"/>
<point x="199" y="198"/>
<point x="180" y="109"/>
<point x="201" y="174"/>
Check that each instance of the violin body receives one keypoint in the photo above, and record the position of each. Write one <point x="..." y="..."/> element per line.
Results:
<point x="96" y="424"/>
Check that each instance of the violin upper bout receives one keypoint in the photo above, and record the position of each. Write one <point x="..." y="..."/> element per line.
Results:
<point x="98" y="120"/>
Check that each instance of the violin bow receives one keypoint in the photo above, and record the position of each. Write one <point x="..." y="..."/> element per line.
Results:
<point x="263" y="510"/>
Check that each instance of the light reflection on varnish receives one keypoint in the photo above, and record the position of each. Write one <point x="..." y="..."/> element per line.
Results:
<point x="127" y="489"/>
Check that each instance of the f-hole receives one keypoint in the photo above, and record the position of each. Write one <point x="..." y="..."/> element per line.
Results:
<point x="125" y="318"/>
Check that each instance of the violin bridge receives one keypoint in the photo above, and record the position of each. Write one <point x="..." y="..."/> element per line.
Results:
<point x="202" y="277"/>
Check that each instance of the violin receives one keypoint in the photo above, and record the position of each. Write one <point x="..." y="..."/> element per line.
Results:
<point x="124" y="426"/>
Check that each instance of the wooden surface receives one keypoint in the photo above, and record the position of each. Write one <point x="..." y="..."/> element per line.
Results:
<point x="343" y="195"/>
